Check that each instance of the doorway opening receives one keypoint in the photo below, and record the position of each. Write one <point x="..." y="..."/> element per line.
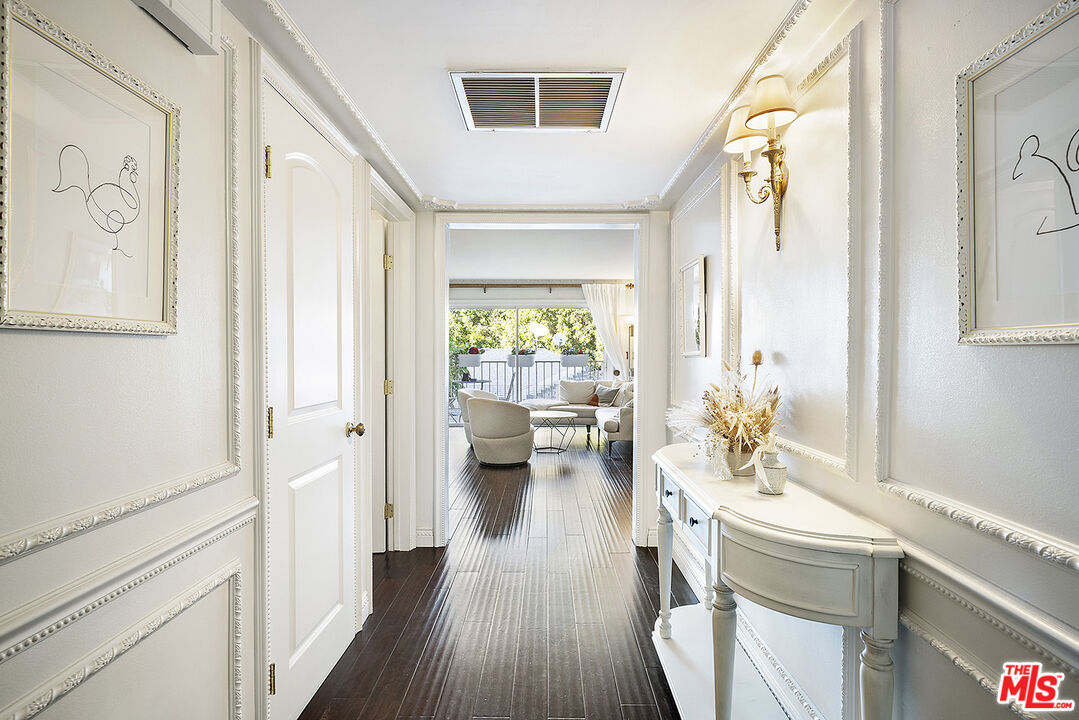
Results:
<point x="537" y="307"/>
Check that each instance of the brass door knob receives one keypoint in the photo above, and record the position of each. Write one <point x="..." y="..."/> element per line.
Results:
<point x="358" y="429"/>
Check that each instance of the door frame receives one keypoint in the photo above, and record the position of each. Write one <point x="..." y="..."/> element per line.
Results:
<point x="376" y="195"/>
<point x="265" y="69"/>
<point x="652" y="334"/>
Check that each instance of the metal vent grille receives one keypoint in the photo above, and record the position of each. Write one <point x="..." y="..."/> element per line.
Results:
<point x="537" y="101"/>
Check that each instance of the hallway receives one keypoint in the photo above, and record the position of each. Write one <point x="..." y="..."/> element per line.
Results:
<point x="539" y="581"/>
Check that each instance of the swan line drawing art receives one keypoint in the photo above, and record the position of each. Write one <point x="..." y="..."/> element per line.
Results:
<point x="1031" y="149"/>
<point x="111" y="205"/>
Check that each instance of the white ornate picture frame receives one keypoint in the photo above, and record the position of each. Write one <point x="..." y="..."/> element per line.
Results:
<point x="1017" y="142"/>
<point x="692" y="309"/>
<point x="89" y="165"/>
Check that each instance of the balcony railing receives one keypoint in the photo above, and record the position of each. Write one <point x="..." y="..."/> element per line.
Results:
<point x="521" y="377"/>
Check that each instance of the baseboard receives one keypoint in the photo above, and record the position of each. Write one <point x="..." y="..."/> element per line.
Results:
<point x="425" y="537"/>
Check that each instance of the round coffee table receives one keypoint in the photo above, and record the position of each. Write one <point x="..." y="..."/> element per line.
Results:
<point x="554" y="421"/>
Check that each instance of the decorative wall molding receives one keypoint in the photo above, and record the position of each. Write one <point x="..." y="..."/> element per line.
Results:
<point x="786" y="690"/>
<point x="52" y="691"/>
<point x="33" y="622"/>
<point x="44" y="534"/>
<point x="838" y="464"/>
<point x="751" y="73"/>
<point x="1012" y="533"/>
<point x="959" y="661"/>
<point x="968" y="332"/>
<point x="286" y="22"/>
<point x="990" y="619"/>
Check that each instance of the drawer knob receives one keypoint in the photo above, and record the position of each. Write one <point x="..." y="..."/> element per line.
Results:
<point x="693" y="521"/>
<point x="667" y="493"/>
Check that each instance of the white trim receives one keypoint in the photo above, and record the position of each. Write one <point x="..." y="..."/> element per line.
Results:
<point x="1059" y="552"/>
<point x="650" y="298"/>
<point x="786" y="690"/>
<point x="57" y="529"/>
<point x="41" y="618"/>
<point x="751" y="73"/>
<point x="63" y="683"/>
<point x="286" y="22"/>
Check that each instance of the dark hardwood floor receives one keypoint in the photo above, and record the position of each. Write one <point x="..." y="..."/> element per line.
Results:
<point x="539" y="607"/>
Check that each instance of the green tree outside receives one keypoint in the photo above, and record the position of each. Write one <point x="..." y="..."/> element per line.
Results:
<point x="491" y="329"/>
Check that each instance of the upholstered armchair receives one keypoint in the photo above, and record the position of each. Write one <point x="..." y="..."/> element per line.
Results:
<point x="463" y="396"/>
<point x="501" y="431"/>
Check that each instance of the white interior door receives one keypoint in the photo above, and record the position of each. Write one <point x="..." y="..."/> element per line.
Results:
<point x="381" y="489"/>
<point x="310" y="509"/>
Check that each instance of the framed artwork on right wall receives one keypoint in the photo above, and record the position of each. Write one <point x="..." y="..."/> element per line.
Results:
<point x="1017" y="125"/>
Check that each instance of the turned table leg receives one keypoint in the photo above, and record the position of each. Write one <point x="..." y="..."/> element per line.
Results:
<point x="666" y="558"/>
<point x="877" y="678"/>
<point x="724" y="629"/>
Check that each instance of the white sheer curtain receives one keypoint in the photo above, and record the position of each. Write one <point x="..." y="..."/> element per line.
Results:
<point x="605" y="301"/>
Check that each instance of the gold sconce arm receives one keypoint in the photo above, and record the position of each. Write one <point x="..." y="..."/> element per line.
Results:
<point x="776" y="187"/>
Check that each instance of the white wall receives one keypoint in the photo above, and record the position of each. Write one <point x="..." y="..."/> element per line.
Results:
<point x="950" y="416"/>
<point x="537" y="254"/>
<point x="95" y="423"/>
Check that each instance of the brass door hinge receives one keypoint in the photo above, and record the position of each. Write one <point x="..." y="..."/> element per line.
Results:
<point x="387" y="387"/>
<point x="387" y="261"/>
<point x="273" y="680"/>
<point x="266" y="161"/>
<point x="388" y="511"/>
<point x="269" y="423"/>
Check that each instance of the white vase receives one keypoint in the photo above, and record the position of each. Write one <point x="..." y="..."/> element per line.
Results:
<point x="737" y="459"/>
<point x="775" y="475"/>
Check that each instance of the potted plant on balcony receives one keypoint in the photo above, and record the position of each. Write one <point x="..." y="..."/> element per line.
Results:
<point x="575" y="358"/>
<point x="521" y="358"/>
<point x="470" y="357"/>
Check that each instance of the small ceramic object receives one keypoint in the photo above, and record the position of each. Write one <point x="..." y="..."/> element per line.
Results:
<point x="774" y="478"/>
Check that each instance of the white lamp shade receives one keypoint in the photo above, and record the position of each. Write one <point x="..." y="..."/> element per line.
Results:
<point x="739" y="137"/>
<point x="772" y="101"/>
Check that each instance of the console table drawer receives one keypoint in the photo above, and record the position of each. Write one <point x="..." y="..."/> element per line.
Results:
<point x="697" y="521"/>
<point x="671" y="495"/>
<point x="813" y="584"/>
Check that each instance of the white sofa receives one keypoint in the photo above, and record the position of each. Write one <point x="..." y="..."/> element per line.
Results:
<point x="502" y="432"/>
<point x="616" y="422"/>
<point x="463" y="396"/>
<point x="573" y="396"/>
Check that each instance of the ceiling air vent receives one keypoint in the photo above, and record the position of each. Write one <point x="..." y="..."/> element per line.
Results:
<point x="537" y="101"/>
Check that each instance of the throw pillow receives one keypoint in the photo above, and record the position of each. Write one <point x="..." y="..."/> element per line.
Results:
<point x="593" y="401"/>
<point x="606" y="395"/>
<point x="629" y="404"/>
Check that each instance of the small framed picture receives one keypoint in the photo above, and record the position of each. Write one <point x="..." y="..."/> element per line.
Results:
<point x="90" y="164"/>
<point x="691" y="308"/>
<point x="1018" y="186"/>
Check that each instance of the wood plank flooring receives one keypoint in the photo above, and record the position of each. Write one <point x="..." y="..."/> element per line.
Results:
<point x="539" y="607"/>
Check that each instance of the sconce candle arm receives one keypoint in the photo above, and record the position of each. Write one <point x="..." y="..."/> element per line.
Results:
<point x="776" y="186"/>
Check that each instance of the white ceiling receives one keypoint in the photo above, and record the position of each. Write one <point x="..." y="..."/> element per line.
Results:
<point x="533" y="254"/>
<point x="681" y="58"/>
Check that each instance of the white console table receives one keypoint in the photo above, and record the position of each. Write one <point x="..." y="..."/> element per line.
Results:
<point x="795" y="553"/>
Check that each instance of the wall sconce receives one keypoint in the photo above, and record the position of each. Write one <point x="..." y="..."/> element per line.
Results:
<point x="754" y="125"/>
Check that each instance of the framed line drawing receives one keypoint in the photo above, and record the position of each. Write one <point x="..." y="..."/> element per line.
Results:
<point x="1017" y="128"/>
<point x="692" y="308"/>
<point x="90" y="177"/>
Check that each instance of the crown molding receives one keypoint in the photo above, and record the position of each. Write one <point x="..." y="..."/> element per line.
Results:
<point x="304" y="44"/>
<point x="769" y="49"/>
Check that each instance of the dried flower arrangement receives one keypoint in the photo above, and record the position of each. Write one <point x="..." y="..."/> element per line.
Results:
<point x="736" y="419"/>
